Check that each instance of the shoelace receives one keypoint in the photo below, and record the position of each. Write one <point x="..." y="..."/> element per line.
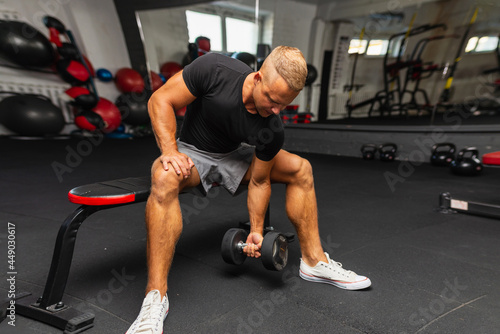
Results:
<point x="338" y="264"/>
<point x="148" y="321"/>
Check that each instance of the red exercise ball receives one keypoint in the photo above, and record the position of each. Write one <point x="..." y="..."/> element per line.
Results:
<point x="72" y="72"/>
<point x="110" y="114"/>
<point x="81" y="97"/>
<point x="89" y="120"/>
<point x="156" y="81"/>
<point x="128" y="80"/>
<point x="181" y="112"/>
<point x="169" y="69"/>
<point x="203" y="44"/>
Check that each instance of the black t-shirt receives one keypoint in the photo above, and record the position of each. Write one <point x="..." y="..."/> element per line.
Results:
<point x="217" y="121"/>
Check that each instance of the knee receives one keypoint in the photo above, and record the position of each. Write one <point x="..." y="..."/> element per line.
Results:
<point x="164" y="184"/>
<point x="303" y="172"/>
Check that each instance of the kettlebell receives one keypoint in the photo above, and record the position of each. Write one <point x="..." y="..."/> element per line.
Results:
<point x="368" y="151"/>
<point x="387" y="151"/>
<point x="467" y="162"/>
<point x="443" y="154"/>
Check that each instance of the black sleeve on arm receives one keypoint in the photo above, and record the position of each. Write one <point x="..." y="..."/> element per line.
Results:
<point x="199" y="74"/>
<point x="270" y="139"/>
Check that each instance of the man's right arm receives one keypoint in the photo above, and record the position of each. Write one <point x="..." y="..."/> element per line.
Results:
<point x="173" y="95"/>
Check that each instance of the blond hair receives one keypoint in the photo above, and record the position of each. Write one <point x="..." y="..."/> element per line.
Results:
<point x="290" y="64"/>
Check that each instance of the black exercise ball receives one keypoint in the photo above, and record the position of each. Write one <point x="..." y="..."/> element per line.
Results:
<point x="246" y="57"/>
<point x="22" y="44"/>
<point x="312" y="74"/>
<point x="68" y="51"/>
<point x="31" y="115"/>
<point x="134" y="108"/>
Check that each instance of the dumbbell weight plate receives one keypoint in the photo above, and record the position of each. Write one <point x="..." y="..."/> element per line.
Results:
<point x="274" y="251"/>
<point x="230" y="251"/>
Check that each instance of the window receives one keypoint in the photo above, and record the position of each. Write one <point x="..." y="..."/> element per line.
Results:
<point x="486" y="43"/>
<point x="481" y="44"/>
<point x="357" y="46"/>
<point x="471" y="44"/>
<point x="377" y="47"/>
<point x="207" y="25"/>
<point x="235" y="35"/>
<point x="241" y="36"/>
<point x="397" y="46"/>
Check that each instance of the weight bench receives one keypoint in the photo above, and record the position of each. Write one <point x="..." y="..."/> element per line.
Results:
<point x="448" y="204"/>
<point x="50" y="308"/>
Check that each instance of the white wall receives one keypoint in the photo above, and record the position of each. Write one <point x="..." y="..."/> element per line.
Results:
<point x="292" y="24"/>
<point x="96" y="28"/>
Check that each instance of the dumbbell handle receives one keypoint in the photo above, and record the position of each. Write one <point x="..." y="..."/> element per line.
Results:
<point x="241" y="245"/>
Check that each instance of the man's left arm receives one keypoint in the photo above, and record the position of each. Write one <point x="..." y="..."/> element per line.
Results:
<point x="259" y="193"/>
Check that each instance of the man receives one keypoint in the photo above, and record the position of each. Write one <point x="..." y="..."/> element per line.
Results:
<point x="229" y="106"/>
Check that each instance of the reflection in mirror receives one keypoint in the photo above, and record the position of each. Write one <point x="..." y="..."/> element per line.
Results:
<point x="244" y="29"/>
<point x="404" y="63"/>
<point x="230" y="27"/>
<point x="385" y="78"/>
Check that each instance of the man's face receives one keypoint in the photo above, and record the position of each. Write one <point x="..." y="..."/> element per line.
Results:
<point x="272" y="96"/>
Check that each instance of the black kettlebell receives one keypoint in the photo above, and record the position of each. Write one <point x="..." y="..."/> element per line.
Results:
<point x="368" y="151"/>
<point x="467" y="162"/>
<point x="443" y="154"/>
<point x="387" y="151"/>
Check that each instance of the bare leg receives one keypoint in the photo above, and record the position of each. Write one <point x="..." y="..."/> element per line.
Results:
<point x="301" y="207"/>
<point x="164" y="222"/>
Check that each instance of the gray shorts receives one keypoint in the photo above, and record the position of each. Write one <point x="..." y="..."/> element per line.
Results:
<point x="224" y="169"/>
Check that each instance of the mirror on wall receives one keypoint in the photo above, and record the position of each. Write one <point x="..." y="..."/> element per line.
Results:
<point x="224" y="26"/>
<point x="359" y="78"/>
<point x="403" y="64"/>
<point x="243" y="29"/>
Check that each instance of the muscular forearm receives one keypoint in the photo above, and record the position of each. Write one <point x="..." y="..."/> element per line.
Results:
<point x="258" y="201"/>
<point x="163" y="121"/>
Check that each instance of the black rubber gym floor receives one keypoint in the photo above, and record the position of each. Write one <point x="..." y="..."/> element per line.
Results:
<point x="431" y="272"/>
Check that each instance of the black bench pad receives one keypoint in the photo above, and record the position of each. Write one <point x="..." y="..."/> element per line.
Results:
<point x="122" y="191"/>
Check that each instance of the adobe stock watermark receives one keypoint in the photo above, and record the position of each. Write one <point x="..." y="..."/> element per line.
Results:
<point x="198" y="204"/>
<point x="264" y="309"/>
<point x="116" y="285"/>
<point x="328" y="245"/>
<point x="417" y="157"/>
<point x="436" y="307"/>
<point x="49" y="7"/>
<point x="265" y="136"/>
<point x="375" y="24"/>
<point x="74" y="155"/>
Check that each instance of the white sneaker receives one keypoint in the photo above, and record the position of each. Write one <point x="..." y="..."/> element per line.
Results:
<point x="154" y="310"/>
<point x="333" y="273"/>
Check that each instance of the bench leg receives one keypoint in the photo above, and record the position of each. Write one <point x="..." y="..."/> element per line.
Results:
<point x="49" y="308"/>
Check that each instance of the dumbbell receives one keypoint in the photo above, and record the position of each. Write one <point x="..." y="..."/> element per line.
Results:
<point x="274" y="248"/>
